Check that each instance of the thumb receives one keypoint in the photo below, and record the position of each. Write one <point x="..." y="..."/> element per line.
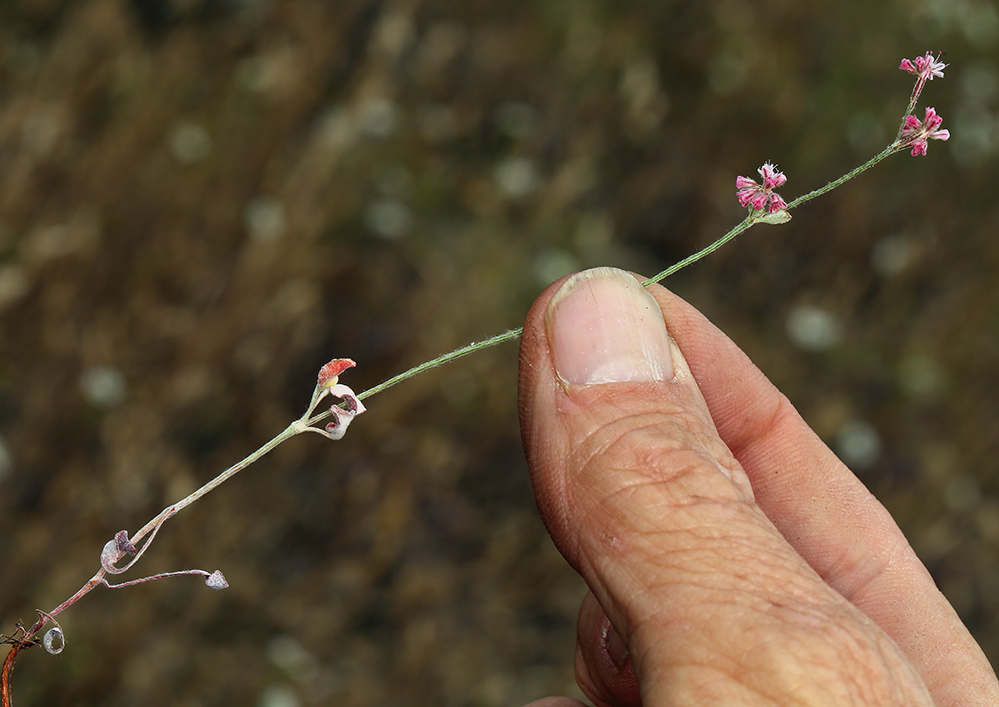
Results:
<point x="643" y="498"/>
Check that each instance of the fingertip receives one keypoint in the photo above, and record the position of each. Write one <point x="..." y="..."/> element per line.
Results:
<point x="603" y="326"/>
<point x="599" y="372"/>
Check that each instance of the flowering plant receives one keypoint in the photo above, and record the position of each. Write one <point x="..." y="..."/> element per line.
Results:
<point x="763" y="205"/>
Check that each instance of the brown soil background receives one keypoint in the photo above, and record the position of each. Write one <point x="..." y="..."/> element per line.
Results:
<point x="202" y="201"/>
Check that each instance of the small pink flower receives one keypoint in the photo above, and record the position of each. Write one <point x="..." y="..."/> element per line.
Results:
<point x="761" y="196"/>
<point x="915" y="133"/>
<point x="925" y="67"/>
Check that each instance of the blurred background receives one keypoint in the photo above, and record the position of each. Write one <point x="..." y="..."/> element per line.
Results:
<point x="203" y="201"/>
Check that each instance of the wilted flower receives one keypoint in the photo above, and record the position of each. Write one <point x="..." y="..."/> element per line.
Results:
<point x="116" y="549"/>
<point x="915" y="133"/>
<point x="327" y="384"/>
<point x="342" y="416"/>
<point x="761" y="196"/>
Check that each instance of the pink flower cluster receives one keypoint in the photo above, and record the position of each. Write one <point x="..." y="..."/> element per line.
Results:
<point x="761" y="196"/>
<point x="912" y="133"/>
<point x="915" y="133"/>
<point x="925" y="67"/>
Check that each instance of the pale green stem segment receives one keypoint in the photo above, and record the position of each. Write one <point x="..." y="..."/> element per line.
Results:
<point x="691" y="259"/>
<point x="171" y="510"/>
<point x="890" y="150"/>
<point x="441" y="360"/>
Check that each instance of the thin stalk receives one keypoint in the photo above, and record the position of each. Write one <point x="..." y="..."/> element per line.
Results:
<point x="708" y="250"/>
<point x="175" y="508"/>
<point x="8" y="667"/>
<point x="515" y="333"/>
<point x="890" y="150"/>
<point x="165" y="514"/>
<point x="439" y="361"/>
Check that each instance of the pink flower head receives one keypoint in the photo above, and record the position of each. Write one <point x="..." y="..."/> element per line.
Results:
<point x="761" y="196"/>
<point x="925" y="67"/>
<point x="915" y="133"/>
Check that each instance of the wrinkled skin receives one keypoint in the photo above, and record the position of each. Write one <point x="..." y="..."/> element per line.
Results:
<point x="732" y="559"/>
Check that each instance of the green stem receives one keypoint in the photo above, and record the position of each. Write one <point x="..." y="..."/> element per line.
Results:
<point x="691" y="259"/>
<point x="441" y="360"/>
<point x="175" y="508"/>
<point x="515" y="333"/>
<point x="890" y="150"/>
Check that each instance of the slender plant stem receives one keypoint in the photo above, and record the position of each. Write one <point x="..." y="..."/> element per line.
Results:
<point x="8" y="667"/>
<point x="44" y="619"/>
<point x="168" y="512"/>
<point x="171" y="510"/>
<point x="890" y="150"/>
<point x="441" y="360"/>
<point x="515" y="333"/>
<point x="708" y="250"/>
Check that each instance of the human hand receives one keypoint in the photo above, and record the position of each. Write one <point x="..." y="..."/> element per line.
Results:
<point x="732" y="559"/>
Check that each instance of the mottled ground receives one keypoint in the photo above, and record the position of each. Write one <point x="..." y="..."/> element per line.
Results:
<point x="202" y="201"/>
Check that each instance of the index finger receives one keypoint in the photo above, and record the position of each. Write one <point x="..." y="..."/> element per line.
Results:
<point x="827" y="514"/>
